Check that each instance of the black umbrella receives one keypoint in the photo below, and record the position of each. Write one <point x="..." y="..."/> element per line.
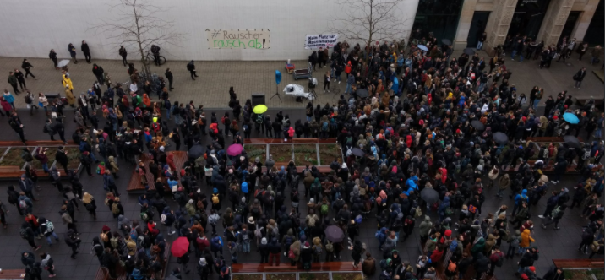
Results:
<point x="362" y="93"/>
<point x="500" y="138"/>
<point x="429" y="195"/>
<point x="446" y="42"/>
<point x="469" y="51"/>
<point x="572" y="141"/>
<point x="358" y="152"/>
<point x="196" y="151"/>
<point x="478" y="125"/>
<point x="334" y="233"/>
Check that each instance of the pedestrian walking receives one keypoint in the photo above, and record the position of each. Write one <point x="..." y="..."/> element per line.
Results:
<point x="3" y="214"/>
<point x="124" y="54"/>
<point x="12" y="80"/>
<point x="99" y="73"/>
<point x="86" y="50"/>
<point x="73" y="241"/>
<point x="170" y="79"/>
<point x="27" y="67"/>
<point x="191" y="69"/>
<point x="72" y="52"/>
<point x="27" y="233"/>
<point x="87" y="161"/>
<point x="47" y="262"/>
<point x="28" y="259"/>
<point x="579" y="76"/>
<point x="53" y="56"/>
<point x="48" y="231"/>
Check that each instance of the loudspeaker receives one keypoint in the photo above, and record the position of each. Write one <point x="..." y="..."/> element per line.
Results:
<point x="277" y="77"/>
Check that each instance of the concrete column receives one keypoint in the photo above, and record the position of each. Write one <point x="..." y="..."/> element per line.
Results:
<point x="583" y="22"/>
<point x="554" y="21"/>
<point x="499" y="22"/>
<point x="464" y="26"/>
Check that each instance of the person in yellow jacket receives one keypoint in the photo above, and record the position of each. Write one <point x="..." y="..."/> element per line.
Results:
<point x="68" y="86"/>
<point x="526" y="239"/>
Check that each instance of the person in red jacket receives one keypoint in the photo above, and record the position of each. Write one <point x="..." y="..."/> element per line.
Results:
<point x="151" y="226"/>
<point x="437" y="255"/>
<point x="348" y="68"/>
<point x="202" y="244"/>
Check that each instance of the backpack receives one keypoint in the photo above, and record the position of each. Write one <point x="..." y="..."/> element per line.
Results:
<point x="329" y="247"/>
<point x="289" y="240"/>
<point x="325" y="127"/>
<point x="223" y="119"/>
<point x="500" y="261"/>
<point x="114" y="209"/>
<point x="472" y="209"/>
<point x="324" y="209"/>
<point x="215" y="199"/>
<point x="144" y="216"/>
<point x="22" y="204"/>
<point x="23" y="233"/>
<point x="114" y="242"/>
<point x="100" y="169"/>
<point x="555" y="212"/>
<point x="49" y="226"/>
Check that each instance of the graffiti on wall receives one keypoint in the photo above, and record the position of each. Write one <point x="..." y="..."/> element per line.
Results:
<point x="238" y="38"/>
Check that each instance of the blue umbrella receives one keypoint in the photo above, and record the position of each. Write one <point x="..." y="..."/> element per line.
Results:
<point x="571" y="118"/>
<point x="424" y="48"/>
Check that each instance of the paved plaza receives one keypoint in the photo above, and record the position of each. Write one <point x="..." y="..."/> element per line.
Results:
<point x="252" y="77"/>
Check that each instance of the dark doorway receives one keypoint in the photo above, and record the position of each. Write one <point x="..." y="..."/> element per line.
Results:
<point x="595" y="31"/>
<point x="570" y="24"/>
<point x="478" y="24"/>
<point x="528" y="17"/>
<point x="439" y="17"/>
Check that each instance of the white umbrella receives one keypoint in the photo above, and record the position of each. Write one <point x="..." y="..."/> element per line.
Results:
<point x="63" y="63"/>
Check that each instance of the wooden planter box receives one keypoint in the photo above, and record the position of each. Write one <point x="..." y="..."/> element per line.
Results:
<point x="12" y="165"/>
<point x="312" y="152"/>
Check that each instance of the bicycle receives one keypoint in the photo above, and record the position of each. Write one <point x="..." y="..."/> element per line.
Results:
<point x="151" y="59"/>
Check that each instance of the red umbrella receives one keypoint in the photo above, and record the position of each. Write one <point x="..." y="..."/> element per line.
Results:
<point x="180" y="246"/>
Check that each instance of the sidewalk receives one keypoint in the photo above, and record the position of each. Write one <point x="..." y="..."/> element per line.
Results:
<point x="252" y="77"/>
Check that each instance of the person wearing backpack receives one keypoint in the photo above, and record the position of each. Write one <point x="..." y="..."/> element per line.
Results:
<point x="48" y="230"/>
<point x="28" y="234"/>
<point x="116" y="208"/>
<point x="555" y="217"/>
<point x="216" y="199"/>
<point x="496" y="259"/>
<point x="24" y="204"/>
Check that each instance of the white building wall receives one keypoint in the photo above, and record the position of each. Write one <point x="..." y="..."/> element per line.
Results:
<point x="31" y="28"/>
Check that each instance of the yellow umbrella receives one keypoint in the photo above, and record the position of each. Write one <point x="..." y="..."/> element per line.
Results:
<point x="259" y="109"/>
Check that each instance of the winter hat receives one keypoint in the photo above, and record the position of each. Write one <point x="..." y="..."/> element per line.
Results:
<point x="251" y="220"/>
<point x="524" y="277"/>
<point x="555" y="118"/>
<point x="215" y="190"/>
<point x="448" y="232"/>
<point x="202" y="262"/>
<point x="263" y="241"/>
<point x="458" y="131"/>
<point x="533" y="269"/>
<point x="190" y="201"/>
<point x="105" y="228"/>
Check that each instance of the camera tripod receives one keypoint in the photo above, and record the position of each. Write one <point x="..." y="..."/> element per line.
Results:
<point x="276" y="94"/>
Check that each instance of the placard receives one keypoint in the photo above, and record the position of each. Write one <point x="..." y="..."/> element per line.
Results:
<point x="314" y="42"/>
<point x="238" y="38"/>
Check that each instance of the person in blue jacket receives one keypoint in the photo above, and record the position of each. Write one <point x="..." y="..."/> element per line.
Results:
<point x="518" y="198"/>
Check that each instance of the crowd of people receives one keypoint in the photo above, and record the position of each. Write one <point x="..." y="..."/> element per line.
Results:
<point x="421" y="144"/>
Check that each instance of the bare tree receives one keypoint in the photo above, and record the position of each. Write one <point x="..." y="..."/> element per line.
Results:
<point x="137" y="24"/>
<point x="370" y="20"/>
